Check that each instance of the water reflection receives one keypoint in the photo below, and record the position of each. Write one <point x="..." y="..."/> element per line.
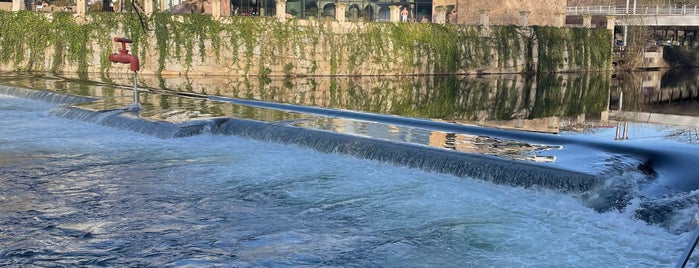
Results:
<point x="538" y="103"/>
<point x="550" y="103"/>
<point x="664" y="97"/>
<point x="514" y="101"/>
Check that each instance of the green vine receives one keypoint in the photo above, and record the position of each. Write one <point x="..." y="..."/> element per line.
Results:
<point x="266" y="46"/>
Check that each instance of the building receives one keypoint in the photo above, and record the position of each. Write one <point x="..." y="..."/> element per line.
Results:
<point x="500" y="12"/>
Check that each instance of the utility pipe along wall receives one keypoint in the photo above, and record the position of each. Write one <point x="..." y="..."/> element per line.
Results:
<point x="169" y="44"/>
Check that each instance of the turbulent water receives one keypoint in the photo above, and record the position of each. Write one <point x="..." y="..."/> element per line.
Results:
<point x="79" y="194"/>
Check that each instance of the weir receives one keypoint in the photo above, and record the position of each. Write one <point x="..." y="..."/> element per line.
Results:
<point x="460" y="164"/>
<point x="489" y="168"/>
<point x="127" y="119"/>
<point x="605" y="175"/>
<point x="43" y="95"/>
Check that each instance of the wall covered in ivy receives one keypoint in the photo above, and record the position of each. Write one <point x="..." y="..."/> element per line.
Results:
<point x="169" y="44"/>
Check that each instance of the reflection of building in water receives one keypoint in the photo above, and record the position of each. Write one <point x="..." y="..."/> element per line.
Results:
<point x="545" y="125"/>
<point x="491" y="146"/>
<point x="653" y="58"/>
<point x="375" y="130"/>
<point x="650" y="81"/>
<point x="652" y="95"/>
<point x="668" y="98"/>
<point x="510" y="149"/>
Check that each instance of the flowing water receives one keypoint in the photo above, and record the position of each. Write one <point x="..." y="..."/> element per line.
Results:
<point x="74" y="193"/>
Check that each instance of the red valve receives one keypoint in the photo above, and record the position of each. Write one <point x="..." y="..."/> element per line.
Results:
<point x="123" y="40"/>
<point x="123" y="56"/>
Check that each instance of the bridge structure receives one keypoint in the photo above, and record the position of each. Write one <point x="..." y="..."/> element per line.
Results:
<point x="671" y="25"/>
<point x="661" y="16"/>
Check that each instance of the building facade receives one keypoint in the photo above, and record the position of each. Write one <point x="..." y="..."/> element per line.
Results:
<point x="501" y="12"/>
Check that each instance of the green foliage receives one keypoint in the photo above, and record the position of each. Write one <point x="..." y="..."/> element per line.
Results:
<point x="430" y="47"/>
<point x="71" y="38"/>
<point x="288" y="68"/>
<point x="104" y="23"/>
<point x="551" y="43"/>
<point x="258" y="45"/>
<point x="178" y="36"/>
<point x="587" y="49"/>
<point x="508" y="44"/>
<point x="24" y="38"/>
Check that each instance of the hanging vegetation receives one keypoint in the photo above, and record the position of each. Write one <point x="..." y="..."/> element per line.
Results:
<point x="265" y="46"/>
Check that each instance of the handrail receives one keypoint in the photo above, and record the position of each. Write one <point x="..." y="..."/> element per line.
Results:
<point x="690" y="248"/>
<point x="639" y="10"/>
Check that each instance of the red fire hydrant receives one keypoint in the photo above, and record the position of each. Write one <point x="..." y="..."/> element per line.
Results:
<point x="124" y="57"/>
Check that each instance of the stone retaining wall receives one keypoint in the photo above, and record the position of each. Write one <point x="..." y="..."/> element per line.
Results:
<point x="198" y="44"/>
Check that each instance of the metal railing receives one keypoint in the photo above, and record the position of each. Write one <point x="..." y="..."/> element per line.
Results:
<point x="639" y="10"/>
<point x="684" y="260"/>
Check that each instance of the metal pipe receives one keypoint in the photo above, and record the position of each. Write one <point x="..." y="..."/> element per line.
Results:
<point x="135" y="88"/>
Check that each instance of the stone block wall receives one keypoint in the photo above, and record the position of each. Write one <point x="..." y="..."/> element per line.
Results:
<point x="507" y="12"/>
<point x="247" y="46"/>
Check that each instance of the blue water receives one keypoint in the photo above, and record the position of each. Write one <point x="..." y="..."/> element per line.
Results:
<point x="78" y="194"/>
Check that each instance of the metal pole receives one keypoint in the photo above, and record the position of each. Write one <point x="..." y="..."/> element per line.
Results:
<point x="626" y="28"/>
<point x="621" y="99"/>
<point x="690" y="248"/>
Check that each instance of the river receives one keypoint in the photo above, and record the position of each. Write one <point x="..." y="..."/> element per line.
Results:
<point x="76" y="193"/>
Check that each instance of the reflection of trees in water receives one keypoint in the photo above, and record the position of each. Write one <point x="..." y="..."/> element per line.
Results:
<point x="459" y="98"/>
<point x="455" y="97"/>
<point x="509" y="98"/>
<point x="505" y="97"/>
<point x="685" y="134"/>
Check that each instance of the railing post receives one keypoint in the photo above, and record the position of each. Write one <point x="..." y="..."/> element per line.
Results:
<point x="394" y="13"/>
<point x="80" y="9"/>
<point x="587" y="21"/>
<point x="18" y="5"/>
<point x="610" y="24"/>
<point x="215" y="9"/>
<point x="281" y="10"/>
<point x="484" y="18"/>
<point x="225" y="8"/>
<point x="524" y="18"/>
<point x="340" y="12"/>
<point x="484" y="21"/>
<point x="441" y="14"/>
<point x="560" y="20"/>
<point x="148" y="7"/>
